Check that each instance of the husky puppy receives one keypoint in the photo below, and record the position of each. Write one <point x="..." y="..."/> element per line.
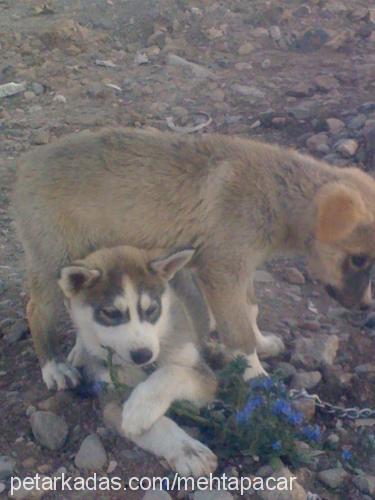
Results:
<point x="121" y="299"/>
<point x="236" y="201"/>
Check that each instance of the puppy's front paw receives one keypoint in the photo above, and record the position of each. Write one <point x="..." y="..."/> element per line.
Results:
<point x="255" y="368"/>
<point x="270" y="345"/>
<point x="192" y="458"/>
<point x="60" y="375"/>
<point x="140" y="412"/>
<point x="76" y="356"/>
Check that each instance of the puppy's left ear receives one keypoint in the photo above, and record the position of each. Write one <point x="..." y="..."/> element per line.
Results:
<point x="166" y="267"/>
<point x="74" y="278"/>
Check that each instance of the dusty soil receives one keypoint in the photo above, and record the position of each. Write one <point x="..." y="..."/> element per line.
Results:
<point x="267" y="69"/>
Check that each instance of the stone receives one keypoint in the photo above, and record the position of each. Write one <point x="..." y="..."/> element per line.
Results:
<point x="7" y="465"/>
<point x="313" y="40"/>
<point x="49" y="429"/>
<point x="365" y="483"/>
<point x="17" y="331"/>
<point x="306" y="406"/>
<point x="286" y="370"/>
<point x="318" y="143"/>
<point x="39" y="137"/>
<point x="245" y="49"/>
<point x="365" y="368"/>
<point x="310" y="325"/>
<point x="157" y="495"/>
<point x="357" y="122"/>
<point x="91" y="454"/>
<point x="347" y="147"/>
<point x="2" y="487"/>
<point x="306" y="380"/>
<point x="297" y="492"/>
<point x="335" y="126"/>
<point x="59" y="99"/>
<point x="326" y="83"/>
<point x="301" y="89"/>
<point x="248" y="91"/>
<point x="265" y="64"/>
<point x="275" y="33"/>
<point x="28" y="95"/>
<point x="333" y="477"/>
<point x="37" y="88"/>
<point x="243" y="66"/>
<point x="369" y="321"/>
<point x="300" y="112"/>
<point x="212" y="495"/>
<point x="261" y="276"/>
<point x="294" y="276"/>
<point x="317" y="351"/>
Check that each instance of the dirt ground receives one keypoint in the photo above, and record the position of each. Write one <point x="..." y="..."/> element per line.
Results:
<point x="296" y="73"/>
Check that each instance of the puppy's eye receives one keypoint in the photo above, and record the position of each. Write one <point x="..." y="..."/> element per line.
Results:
<point x="113" y="316"/>
<point x="359" y="261"/>
<point x="152" y="312"/>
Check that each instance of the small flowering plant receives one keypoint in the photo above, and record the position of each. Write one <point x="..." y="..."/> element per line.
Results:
<point x="254" y="418"/>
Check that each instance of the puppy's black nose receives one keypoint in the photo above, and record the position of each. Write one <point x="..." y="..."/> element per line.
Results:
<point x="331" y="291"/>
<point x="141" y="356"/>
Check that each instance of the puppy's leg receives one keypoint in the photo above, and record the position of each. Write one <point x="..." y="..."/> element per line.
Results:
<point x="151" y="399"/>
<point x="42" y="313"/>
<point x="167" y="440"/>
<point x="226" y="295"/>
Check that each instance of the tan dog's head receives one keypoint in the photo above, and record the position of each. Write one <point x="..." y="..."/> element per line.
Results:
<point x="343" y="250"/>
<point x="119" y="299"/>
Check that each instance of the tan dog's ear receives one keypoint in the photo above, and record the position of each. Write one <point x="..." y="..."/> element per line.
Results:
<point x="340" y="209"/>
<point x="167" y="266"/>
<point x="74" y="278"/>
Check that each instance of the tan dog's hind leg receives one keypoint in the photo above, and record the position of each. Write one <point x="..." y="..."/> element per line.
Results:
<point x="269" y="345"/>
<point x="42" y="312"/>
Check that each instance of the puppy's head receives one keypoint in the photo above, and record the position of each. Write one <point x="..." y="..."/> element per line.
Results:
<point x="119" y="299"/>
<point x="343" y="250"/>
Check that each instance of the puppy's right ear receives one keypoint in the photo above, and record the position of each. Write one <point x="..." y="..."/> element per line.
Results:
<point x="74" y="278"/>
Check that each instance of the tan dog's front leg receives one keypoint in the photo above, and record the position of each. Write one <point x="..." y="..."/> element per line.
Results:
<point x="230" y="308"/>
<point x="42" y="311"/>
<point x="269" y="345"/>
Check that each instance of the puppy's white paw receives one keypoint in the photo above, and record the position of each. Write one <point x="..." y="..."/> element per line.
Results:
<point x="255" y="368"/>
<point x="192" y="458"/>
<point x="59" y="375"/>
<point x="140" y="412"/>
<point x="76" y="355"/>
<point x="270" y="345"/>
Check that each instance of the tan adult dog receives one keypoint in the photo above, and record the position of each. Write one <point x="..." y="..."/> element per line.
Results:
<point x="236" y="201"/>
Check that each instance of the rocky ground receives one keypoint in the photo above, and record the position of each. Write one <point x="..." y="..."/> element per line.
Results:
<point x="295" y="73"/>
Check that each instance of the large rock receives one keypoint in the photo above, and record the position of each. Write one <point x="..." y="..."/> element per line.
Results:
<point x="317" y="351"/>
<point x="365" y="484"/>
<point x="157" y="495"/>
<point x="49" y="429"/>
<point x="333" y="478"/>
<point x="212" y="495"/>
<point x="91" y="454"/>
<point x="306" y="380"/>
<point x="7" y="465"/>
<point x="295" y="493"/>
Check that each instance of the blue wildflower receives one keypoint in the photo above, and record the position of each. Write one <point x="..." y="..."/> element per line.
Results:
<point x="262" y="383"/>
<point x="347" y="455"/>
<point x="243" y="415"/>
<point x="283" y="408"/>
<point x="312" y="432"/>
<point x="276" y="445"/>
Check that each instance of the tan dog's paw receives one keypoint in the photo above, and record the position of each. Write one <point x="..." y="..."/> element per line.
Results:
<point x="270" y="345"/>
<point x="192" y="458"/>
<point x="255" y="368"/>
<point x="60" y="375"/>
